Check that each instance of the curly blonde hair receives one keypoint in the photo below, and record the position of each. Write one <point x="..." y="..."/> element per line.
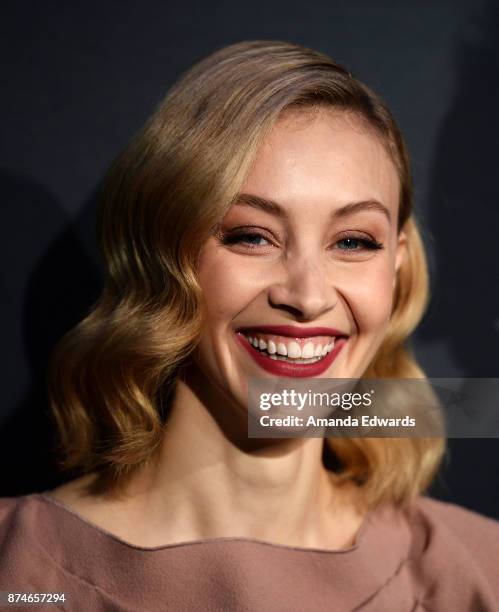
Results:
<point x="111" y="377"/>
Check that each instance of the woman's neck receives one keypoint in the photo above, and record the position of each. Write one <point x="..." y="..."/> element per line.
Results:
<point x="203" y="485"/>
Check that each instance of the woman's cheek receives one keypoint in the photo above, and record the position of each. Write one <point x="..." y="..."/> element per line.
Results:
<point x="229" y="284"/>
<point x="370" y="297"/>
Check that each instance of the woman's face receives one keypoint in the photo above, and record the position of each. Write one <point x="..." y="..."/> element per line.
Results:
<point x="312" y="243"/>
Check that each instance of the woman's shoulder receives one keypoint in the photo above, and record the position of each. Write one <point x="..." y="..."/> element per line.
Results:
<point x="39" y="516"/>
<point x="454" y="554"/>
<point x="33" y="558"/>
<point x="21" y="520"/>
<point x="470" y="528"/>
<point x="15" y="509"/>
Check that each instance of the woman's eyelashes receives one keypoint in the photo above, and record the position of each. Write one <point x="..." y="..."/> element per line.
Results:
<point x="250" y="239"/>
<point x="347" y="243"/>
<point x="368" y="244"/>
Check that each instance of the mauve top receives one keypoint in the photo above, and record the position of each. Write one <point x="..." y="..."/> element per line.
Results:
<point x="434" y="556"/>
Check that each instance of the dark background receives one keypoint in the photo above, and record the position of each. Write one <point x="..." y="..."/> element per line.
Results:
<point x="80" y="78"/>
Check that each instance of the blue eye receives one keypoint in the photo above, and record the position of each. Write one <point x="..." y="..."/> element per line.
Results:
<point x="253" y="241"/>
<point x="250" y="238"/>
<point x="351" y="243"/>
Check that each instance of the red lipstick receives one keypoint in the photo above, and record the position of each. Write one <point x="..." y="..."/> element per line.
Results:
<point x="287" y="368"/>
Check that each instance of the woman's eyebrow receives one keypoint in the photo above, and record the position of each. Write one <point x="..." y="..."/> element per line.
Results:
<point x="273" y="208"/>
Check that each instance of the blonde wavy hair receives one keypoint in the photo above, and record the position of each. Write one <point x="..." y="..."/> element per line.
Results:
<point x="111" y="378"/>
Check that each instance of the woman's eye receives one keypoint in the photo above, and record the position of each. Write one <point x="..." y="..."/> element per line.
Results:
<point x="250" y="239"/>
<point x="351" y="243"/>
<point x="253" y="239"/>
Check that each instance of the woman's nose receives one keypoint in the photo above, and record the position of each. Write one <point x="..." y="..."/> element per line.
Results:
<point x="304" y="289"/>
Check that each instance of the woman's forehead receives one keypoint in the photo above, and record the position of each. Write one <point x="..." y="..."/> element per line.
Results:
<point x="330" y="158"/>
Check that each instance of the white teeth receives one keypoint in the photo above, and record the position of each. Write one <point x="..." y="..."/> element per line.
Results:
<point x="330" y="346"/>
<point x="308" y="351"/>
<point x="281" y="348"/>
<point x="294" y="350"/>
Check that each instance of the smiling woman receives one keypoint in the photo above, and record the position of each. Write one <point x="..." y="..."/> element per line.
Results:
<point x="326" y="251"/>
<point x="259" y="226"/>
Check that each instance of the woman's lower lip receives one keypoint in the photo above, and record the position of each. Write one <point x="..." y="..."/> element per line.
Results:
<point x="285" y="368"/>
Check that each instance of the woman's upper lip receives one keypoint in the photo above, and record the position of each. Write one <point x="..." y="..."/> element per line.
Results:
<point x="293" y="331"/>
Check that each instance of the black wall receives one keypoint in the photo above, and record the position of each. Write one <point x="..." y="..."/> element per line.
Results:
<point x="78" y="79"/>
